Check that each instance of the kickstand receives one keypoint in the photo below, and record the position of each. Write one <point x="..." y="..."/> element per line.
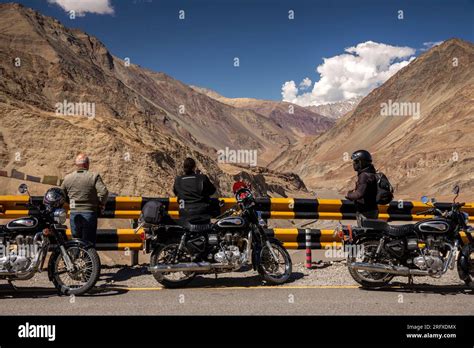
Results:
<point x="12" y="285"/>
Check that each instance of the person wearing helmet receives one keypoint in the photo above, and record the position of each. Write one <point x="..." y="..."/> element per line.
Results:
<point x="364" y="195"/>
<point x="86" y="194"/>
<point x="193" y="190"/>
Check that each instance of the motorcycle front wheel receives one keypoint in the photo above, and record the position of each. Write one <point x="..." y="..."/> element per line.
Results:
<point x="83" y="277"/>
<point x="166" y="255"/>
<point x="275" y="271"/>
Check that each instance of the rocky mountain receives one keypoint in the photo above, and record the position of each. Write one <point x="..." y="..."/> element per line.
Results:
<point x="299" y="121"/>
<point x="419" y="126"/>
<point x="335" y="110"/>
<point x="62" y="91"/>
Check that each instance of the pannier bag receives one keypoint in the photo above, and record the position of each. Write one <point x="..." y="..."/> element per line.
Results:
<point x="152" y="212"/>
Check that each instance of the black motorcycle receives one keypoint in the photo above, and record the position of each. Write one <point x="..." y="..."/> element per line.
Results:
<point x="235" y="241"/>
<point x="74" y="265"/>
<point x="377" y="251"/>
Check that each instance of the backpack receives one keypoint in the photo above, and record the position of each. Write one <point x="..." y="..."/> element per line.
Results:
<point x="384" y="189"/>
<point x="152" y="212"/>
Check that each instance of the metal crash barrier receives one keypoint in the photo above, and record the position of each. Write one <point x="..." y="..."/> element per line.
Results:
<point x="271" y="208"/>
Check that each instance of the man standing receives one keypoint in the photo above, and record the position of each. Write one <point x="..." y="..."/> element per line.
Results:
<point x="193" y="190"/>
<point x="86" y="194"/>
<point x="365" y="193"/>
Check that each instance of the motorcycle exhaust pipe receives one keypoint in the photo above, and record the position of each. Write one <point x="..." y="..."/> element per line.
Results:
<point x="188" y="267"/>
<point x="379" y="267"/>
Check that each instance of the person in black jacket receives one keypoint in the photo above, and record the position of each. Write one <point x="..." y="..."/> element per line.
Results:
<point x="365" y="193"/>
<point x="193" y="190"/>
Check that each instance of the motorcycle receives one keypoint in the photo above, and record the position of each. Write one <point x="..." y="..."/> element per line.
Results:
<point x="73" y="266"/>
<point x="378" y="251"/>
<point x="235" y="241"/>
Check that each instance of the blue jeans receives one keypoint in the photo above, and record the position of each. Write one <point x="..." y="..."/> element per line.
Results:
<point x="84" y="225"/>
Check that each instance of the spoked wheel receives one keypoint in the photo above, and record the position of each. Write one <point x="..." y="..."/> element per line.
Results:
<point x="85" y="274"/>
<point x="466" y="265"/>
<point x="169" y="254"/>
<point x="366" y="278"/>
<point x="275" y="271"/>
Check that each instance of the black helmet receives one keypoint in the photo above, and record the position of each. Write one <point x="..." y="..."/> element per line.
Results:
<point x="362" y="155"/>
<point x="362" y="159"/>
<point x="54" y="197"/>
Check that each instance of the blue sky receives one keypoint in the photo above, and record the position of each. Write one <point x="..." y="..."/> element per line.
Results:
<point x="272" y="49"/>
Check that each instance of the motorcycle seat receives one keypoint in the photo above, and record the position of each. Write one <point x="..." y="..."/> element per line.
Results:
<point x="399" y="230"/>
<point x="374" y="224"/>
<point x="199" y="228"/>
<point x="391" y="230"/>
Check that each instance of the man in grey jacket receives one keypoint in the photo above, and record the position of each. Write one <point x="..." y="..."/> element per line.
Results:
<point x="86" y="194"/>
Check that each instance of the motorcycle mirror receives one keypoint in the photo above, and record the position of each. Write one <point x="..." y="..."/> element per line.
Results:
<point x="424" y="199"/>
<point x="221" y="203"/>
<point x="456" y="190"/>
<point x="23" y="188"/>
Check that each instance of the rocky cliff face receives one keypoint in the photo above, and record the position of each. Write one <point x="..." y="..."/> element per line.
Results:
<point x="143" y="123"/>
<point x="297" y="121"/>
<point x="419" y="126"/>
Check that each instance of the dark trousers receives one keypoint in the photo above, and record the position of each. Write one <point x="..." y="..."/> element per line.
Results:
<point x="84" y="225"/>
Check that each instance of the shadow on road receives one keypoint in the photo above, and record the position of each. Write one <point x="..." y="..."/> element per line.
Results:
<point x="226" y="280"/>
<point x="125" y="272"/>
<point x="8" y="292"/>
<point x="425" y="288"/>
<point x="223" y="279"/>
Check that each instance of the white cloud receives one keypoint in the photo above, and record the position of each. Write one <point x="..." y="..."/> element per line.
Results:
<point x="430" y="44"/>
<point x="289" y="90"/>
<point x="306" y="83"/>
<point x="81" y="7"/>
<point x="355" y="73"/>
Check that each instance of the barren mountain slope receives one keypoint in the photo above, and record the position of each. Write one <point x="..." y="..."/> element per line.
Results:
<point x="300" y="121"/>
<point x="137" y="138"/>
<point x="426" y="154"/>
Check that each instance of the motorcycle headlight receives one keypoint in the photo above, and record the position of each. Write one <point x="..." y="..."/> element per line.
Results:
<point x="60" y="216"/>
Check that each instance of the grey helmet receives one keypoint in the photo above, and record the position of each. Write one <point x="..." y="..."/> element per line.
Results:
<point x="54" y="198"/>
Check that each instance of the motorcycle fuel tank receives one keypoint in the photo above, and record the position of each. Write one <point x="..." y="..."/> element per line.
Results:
<point x="432" y="226"/>
<point x="231" y="222"/>
<point x="24" y="224"/>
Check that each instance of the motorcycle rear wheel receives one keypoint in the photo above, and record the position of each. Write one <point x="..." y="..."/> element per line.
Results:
<point x="467" y="274"/>
<point x="171" y="280"/>
<point x="365" y="278"/>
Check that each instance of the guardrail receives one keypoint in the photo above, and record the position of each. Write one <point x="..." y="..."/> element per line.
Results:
<point x="292" y="238"/>
<point x="271" y="208"/>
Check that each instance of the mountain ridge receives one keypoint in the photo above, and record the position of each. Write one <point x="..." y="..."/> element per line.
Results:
<point x="137" y="137"/>
<point x="421" y="155"/>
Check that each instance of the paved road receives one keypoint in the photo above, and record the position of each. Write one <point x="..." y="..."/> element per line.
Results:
<point x="283" y="300"/>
